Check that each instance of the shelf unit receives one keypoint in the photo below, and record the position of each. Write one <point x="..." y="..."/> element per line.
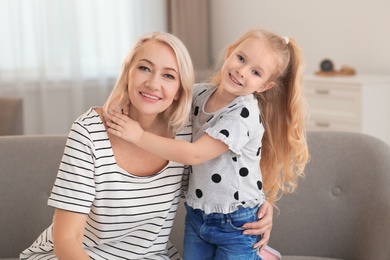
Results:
<point x="358" y="103"/>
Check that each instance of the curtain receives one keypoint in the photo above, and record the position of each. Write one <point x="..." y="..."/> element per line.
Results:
<point x="63" y="56"/>
<point x="189" y="20"/>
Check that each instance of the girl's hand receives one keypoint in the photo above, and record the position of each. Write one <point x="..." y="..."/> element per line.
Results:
<point x="115" y="107"/>
<point x="124" y="127"/>
<point x="263" y="226"/>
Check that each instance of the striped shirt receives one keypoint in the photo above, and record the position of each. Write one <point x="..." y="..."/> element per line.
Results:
<point x="129" y="217"/>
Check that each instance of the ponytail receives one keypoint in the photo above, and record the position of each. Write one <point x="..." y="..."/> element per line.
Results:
<point x="284" y="148"/>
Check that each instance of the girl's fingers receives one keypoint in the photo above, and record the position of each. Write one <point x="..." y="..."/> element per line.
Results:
<point x="113" y="125"/>
<point x="117" y="118"/>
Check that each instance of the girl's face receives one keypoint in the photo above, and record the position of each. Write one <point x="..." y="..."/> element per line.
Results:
<point x="154" y="79"/>
<point x="248" y="68"/>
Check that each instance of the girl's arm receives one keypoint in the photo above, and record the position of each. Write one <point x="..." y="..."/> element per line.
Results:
<point x="68" y="233"/>
<point x="204" y="149"/>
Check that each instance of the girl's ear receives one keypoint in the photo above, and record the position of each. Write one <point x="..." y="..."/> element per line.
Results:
<point x="265" y="87"/>
<point x="229" y="52"/>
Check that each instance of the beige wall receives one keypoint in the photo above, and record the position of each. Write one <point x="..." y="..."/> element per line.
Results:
<point x="350" y="32"/>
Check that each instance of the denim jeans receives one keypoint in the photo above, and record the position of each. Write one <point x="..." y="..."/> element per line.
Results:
<point x="219" y="236"/>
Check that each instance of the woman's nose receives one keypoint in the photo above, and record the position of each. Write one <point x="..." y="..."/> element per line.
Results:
<point x="153" y="82"/>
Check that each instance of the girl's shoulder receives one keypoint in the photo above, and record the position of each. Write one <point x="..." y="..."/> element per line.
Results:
<point x="202" y="89"/>
<point x="244" y="104"/>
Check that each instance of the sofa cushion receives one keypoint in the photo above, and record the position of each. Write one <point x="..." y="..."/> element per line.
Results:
<point x="289" y="257"/>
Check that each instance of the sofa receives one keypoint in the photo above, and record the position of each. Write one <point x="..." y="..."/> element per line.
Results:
<point x="340" y="210"/>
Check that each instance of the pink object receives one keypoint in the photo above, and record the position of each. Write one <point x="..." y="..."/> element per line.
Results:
<point x="268" y="253"/>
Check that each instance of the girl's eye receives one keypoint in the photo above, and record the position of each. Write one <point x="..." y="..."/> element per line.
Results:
<point x="256" y="73"/>
<point x="240" y="58"/>
<point x="144" y="68"/>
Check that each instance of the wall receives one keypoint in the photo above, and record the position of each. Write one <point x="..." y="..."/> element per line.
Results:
<point x="350" y="32"/>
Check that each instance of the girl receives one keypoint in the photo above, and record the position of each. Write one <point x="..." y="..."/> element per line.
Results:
<point x="251" y="114"/>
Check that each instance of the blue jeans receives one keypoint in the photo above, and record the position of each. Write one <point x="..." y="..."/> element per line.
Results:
<point x="219" y="236"/>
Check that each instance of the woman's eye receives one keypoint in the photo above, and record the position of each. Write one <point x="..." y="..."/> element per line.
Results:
<point x="169" y="76"/>
<point x="144" y="68"/>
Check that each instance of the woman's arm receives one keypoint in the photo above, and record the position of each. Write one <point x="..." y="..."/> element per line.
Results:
<point x="68" y="233"/>
<point x="202" y="150"/>
<point x="263" y="226"/>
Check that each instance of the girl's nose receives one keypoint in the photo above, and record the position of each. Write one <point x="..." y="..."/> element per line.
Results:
<point x="240" y="72"/>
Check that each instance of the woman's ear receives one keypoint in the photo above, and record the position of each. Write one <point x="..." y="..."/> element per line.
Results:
<point x="178" y="94"/>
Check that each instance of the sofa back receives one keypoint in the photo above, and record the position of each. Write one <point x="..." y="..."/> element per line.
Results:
<point x="28" y="167"/>
<point x="341" y="209"/>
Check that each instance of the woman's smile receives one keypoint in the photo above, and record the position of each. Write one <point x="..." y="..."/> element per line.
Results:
<point x="149" y="97"/>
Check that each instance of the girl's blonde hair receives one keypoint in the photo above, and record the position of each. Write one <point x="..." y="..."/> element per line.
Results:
<point x="284" y="149"/>
<point x="177" y="114"/>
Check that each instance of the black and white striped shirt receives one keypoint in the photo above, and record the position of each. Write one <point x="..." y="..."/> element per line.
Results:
<point x="129" y="217"/>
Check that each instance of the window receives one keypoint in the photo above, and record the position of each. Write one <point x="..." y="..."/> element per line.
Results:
<point x="63" y="56"/>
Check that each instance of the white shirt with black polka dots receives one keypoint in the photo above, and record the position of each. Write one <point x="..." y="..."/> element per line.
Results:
<point x="232" y="179"/>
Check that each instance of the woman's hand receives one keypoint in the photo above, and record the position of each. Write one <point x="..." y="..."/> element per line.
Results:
<point x="124" y="127"/>
<point x="263" y="226"/>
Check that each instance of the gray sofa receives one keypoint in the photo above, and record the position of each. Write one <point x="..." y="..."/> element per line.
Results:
<point x="341" y="210"/>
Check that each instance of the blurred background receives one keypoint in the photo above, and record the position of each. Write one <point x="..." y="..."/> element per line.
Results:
<point x="63" y="56"/>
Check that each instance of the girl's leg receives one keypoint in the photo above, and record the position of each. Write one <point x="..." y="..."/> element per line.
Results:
<point x="195" y="247"/>
<point x="231" y="243"/>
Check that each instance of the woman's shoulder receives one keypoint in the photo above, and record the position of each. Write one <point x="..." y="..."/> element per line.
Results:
<point x="91" y="114"/>
<point x="90" y="121"/>
<point x="185" y="133"/>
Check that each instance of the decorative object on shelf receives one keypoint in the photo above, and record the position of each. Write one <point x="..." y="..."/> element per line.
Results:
<point x="327" y="69"/>
<point x="326" y="65"/>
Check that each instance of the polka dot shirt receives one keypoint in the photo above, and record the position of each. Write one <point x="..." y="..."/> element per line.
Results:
<point x="232" y="179"/>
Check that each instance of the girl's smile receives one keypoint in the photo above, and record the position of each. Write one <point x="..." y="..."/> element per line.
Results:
<point x="234" y="79"/>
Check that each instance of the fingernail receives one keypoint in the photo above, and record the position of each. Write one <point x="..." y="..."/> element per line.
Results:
<point x="261" y="215"/>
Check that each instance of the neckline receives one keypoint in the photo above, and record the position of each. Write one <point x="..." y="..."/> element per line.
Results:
<point x="93" y="111"/>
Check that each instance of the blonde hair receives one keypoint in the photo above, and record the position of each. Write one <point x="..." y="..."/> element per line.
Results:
<point x="177" y="114"/>
<point x="284" y="152"/>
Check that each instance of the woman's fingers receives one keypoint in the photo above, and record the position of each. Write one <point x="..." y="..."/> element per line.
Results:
<point x="263" y="241"/>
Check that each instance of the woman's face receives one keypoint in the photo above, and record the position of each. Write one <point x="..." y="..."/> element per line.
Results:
<point x="154" y="79"/>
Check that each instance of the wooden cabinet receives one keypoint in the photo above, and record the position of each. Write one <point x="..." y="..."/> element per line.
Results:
<point x="359" y="103"/>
